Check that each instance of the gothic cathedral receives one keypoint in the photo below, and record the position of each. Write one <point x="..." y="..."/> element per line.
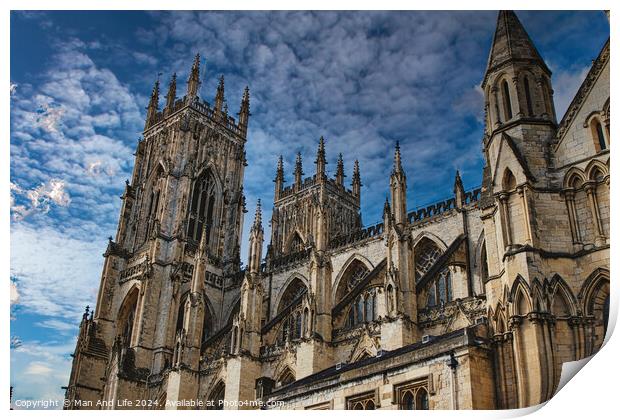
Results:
<point x="470" y="303"/>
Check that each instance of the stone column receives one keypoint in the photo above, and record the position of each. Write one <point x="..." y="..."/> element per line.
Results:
<point x="572" y="217"/>
<point x="503" y="211"/>
<point x="590" y="189"/>
<point x="526" y="213"/>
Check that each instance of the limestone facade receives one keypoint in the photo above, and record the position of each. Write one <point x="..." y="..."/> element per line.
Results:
<point x="470" y="303"/>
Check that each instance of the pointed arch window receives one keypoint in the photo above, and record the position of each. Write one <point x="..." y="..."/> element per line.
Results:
<point x="366" y="401"/>
<point x="126" y="318"/>
<point x="412" y="396"/>
<point x="354" y="273"/>
<point x="600" y="136"/>
<point x="202" y="204"/>
<point x="507" y="104"/>
<point x="207" y="325"/>
<point x="217" y="397"/>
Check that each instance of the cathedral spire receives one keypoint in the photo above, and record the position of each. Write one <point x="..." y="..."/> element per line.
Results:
<point x="279" y="180"/>
<point x="204" y="240"/>
<point x="193" y="83"/>
<point x="172" y="93"/>
<point x="298" y="171"/>
<point x="340" y="171"/>
<point x="320" y="160"/>
<point x="219" y="96"/>
<point x="244" y="111"/>
<point x="511" y="43"/>
<point x="356" y="183"/>
<point x="151" y="110"/>
<point x="398" y="167"/>
<point x="459" y="191"/>
<point x="256" y="241"/>
<point x="398" y="188"/>
<point x="258" y="217"/>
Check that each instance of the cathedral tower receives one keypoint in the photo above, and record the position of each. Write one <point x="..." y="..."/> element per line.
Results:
<point x="176" y="253"/>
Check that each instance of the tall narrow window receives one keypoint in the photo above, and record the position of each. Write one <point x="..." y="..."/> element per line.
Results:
<point x="360" y="311"/>
<point x="441" y="288"/>
<point x="298" y="325"/>
<point x="369" y="308"/>
<point x="528" y="98"/>
<point x="201" y="207"/>
<point x="507" y="105"/>
<point x="431" y="300"/>
<point x="422" y="399"/>
<point x="600" y="136"/>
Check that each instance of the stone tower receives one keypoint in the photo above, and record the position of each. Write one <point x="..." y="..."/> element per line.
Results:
<point x="527" y="214"/>
<point x="169" y="271"/>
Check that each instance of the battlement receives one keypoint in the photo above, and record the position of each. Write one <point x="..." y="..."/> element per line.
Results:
<point x="309" y="182"/>
<point x="205" y="109"/>
<point x="419" y="214"/>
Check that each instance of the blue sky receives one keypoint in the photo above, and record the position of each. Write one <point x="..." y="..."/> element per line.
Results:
<point x="80" y="82"/>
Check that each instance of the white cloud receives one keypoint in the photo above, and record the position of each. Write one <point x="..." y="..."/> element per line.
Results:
<point x="40" y="198"/>
<point x="13" y="88"/>
<point x="38" y="369"/>
<point x="57" y="275"/>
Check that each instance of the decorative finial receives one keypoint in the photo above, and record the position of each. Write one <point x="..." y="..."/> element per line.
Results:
<point x="340" y="170"/>
<point x="193" y="83"/>
<point x="219" y="95"/>
<point x="258" y="216"/>
<point x="172" y="92"/>
<point x="397" y="159"/>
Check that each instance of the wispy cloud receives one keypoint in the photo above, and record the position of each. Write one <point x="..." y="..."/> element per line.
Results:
<point x="57" y="275"/>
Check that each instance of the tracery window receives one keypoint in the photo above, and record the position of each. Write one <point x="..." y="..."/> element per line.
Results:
<point x="286" y="378"/>
<point x="426" y="253"/>
<point x="291" y="326"/>
<point x="354" y="273"/>
<point x="297" y="244"/>
<point x="366" y="401"/>
<point x="202" y="204"/>
<point x="412" y="396"/>
<point x="363" y="309"/>
<point x="359" y="272"/>
<point x="440" y="290"/>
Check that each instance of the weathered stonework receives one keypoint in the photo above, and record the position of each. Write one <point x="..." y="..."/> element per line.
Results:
<point x="471" y="303"/>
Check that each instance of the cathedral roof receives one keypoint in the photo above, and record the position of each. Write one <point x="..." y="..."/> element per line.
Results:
<point x="511" y="43"/>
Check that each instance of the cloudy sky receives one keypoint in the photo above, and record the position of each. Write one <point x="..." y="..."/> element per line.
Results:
<point x="80" y="82"/>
